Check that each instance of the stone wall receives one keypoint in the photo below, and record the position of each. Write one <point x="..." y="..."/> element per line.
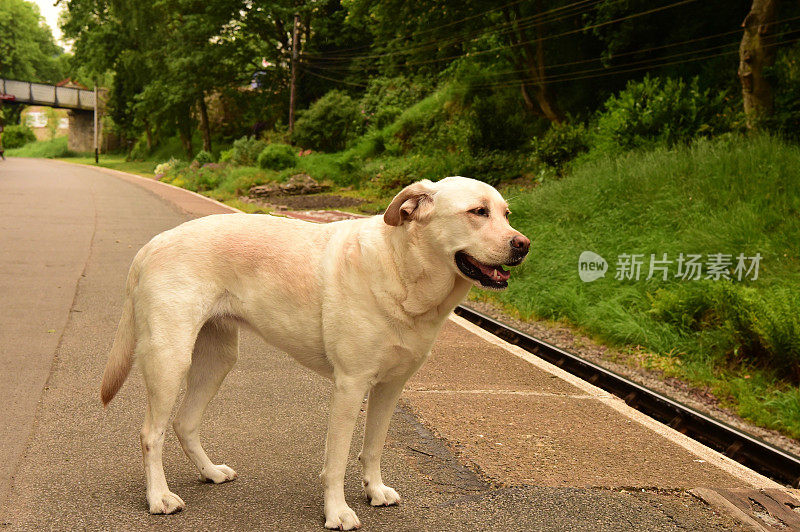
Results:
<point x="81" y="131"/>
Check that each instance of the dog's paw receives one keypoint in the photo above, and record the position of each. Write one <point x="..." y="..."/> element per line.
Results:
<point x="381" y="495"/>
<point x="218" y="474"/>
<point x="165" y="503"/>
<point x="343" y="518"/>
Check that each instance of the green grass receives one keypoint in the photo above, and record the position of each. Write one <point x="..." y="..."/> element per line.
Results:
<point x="57" y="149"/>
<point x="46" y="149"/>
<point x="116" y="162"/>
<point x="731" y="195"/>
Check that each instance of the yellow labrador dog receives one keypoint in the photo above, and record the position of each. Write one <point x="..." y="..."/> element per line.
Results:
<point x="358" y="301"/>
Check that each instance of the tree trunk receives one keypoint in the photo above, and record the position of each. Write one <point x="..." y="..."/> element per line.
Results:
<point x="186" y="140"/>
<point x="149" y="135"/>
<point x="756" y="52"/>
<point x="204" y="125"/>
<point x="533" y="59"/>
<point x="529" y="105"/>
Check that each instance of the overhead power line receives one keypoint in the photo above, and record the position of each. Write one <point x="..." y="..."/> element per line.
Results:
<point x="633" y="66"/>
<point x="605" y="71"/>
<point x="308" y="70"/>
<point x="435" y="28"/>
<point x="522" y="43"/>
<point x="517" y="82"/>
<point x="574" y="9"/>
<point x="550" y="67"/>
<point x="550" y="37"/>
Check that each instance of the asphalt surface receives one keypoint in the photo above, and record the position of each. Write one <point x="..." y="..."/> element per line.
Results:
<point x="68" y="236"/>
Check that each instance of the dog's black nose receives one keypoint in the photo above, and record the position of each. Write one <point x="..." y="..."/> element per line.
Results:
<point x="520" y="244"/>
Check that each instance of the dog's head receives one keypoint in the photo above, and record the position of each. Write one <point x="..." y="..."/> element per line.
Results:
<point x="467" y="221"/>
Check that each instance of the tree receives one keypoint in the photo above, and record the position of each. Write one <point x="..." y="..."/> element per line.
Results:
<point x="529" y="56"/>
<point x="28" y="51"/>
<point x="510" y="41"/>
<point x="756" y="53"/>
<point x="667" y="40"/>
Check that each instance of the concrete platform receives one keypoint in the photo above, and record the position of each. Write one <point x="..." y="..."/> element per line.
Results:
<point x="486" y="437"/>
<point x="522" y="423"/>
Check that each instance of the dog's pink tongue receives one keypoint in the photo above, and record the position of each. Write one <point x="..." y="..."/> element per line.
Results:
<point x="496" y="274"/>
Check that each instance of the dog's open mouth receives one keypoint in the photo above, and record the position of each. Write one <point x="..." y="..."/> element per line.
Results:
<point x="489" y="276"/>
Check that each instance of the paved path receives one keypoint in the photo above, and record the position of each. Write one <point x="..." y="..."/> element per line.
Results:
<point x="544" y="453"/>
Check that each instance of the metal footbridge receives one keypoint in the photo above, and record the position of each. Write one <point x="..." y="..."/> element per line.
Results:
<point x="42" y="94"/>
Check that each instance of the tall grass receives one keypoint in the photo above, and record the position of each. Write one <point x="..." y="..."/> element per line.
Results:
<point x="46" y="149"/>
<point x="730" y="195"/>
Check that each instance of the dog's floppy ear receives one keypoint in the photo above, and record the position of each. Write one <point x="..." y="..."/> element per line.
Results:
<point x="415" y="202"/>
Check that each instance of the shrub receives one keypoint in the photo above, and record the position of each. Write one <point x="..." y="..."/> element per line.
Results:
<point x="432" y="124"/>
<point x="168" y="167"/>
<point x="277" y="157"/>
<point x="495" y="166"/>
<point x="386" y="98"/>
<point x="245" y="151"/>
<point x="330" y="123"/>
<point x="495" y="123"/>
<point x="785" y="77"/>
<point x="208" y="177"/>
<point x="204" y="157"/>
<point x="225" y="156"/>
<point x="560" y="144"/>
<point x="139" y="152"/>
<point x="656" y="110"/>
<point x="17" y="136"/>
<point x="238" y="181"/>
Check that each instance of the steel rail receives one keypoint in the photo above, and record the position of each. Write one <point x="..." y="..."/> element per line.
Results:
<point x="748" y="450"/>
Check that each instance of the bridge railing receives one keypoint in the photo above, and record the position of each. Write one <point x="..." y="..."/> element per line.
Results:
<point x="42" y="94"/>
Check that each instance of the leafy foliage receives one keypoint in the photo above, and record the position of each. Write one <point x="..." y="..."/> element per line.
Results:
<point x="277" y="157"/>
<point x="785" y="76"/>
<point x="17" y="136"/>
<point x="486" y="132"/>
<point x="495" y="167"/>
<point x="561" y="143"/>
<point x="244" y="152"/>
<point x="387" y="97"/>
<point x="27" y="49"/>
<point x="330" y="123"/>
<point x="659" y="110"/>
<point x="204" y="157"/>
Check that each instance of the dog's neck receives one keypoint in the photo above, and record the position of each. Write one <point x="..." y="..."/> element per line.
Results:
<point x="431" y="287"/>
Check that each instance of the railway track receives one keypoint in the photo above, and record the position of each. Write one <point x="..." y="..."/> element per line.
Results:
<point x="748" y="450"/>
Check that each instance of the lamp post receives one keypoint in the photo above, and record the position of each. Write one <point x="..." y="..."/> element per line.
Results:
<point x="96" y="151"/>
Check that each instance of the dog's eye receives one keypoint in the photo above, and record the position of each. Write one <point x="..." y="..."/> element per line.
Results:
<point x="508" y="213"/>
<point x="480" y="211"/>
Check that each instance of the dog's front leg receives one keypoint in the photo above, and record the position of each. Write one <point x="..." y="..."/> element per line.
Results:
<point x="348" y="393"/>
<point x="382" y="400"/>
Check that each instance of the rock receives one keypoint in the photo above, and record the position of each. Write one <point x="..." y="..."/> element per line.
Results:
<point x="296" y="185"/>
<point x="302" y="184"/>
<point x="271" y="189"/>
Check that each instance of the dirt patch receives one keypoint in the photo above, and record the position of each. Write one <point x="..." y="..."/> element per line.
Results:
<point x="304" y="202"/>
<point x="698" y="398"/>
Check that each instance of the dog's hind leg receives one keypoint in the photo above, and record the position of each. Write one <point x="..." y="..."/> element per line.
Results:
<point x="214" y="355"/>
<point x="164" y="360"/>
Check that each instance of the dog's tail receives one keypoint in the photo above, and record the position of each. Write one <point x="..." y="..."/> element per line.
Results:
<point x="120" y="359"/>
